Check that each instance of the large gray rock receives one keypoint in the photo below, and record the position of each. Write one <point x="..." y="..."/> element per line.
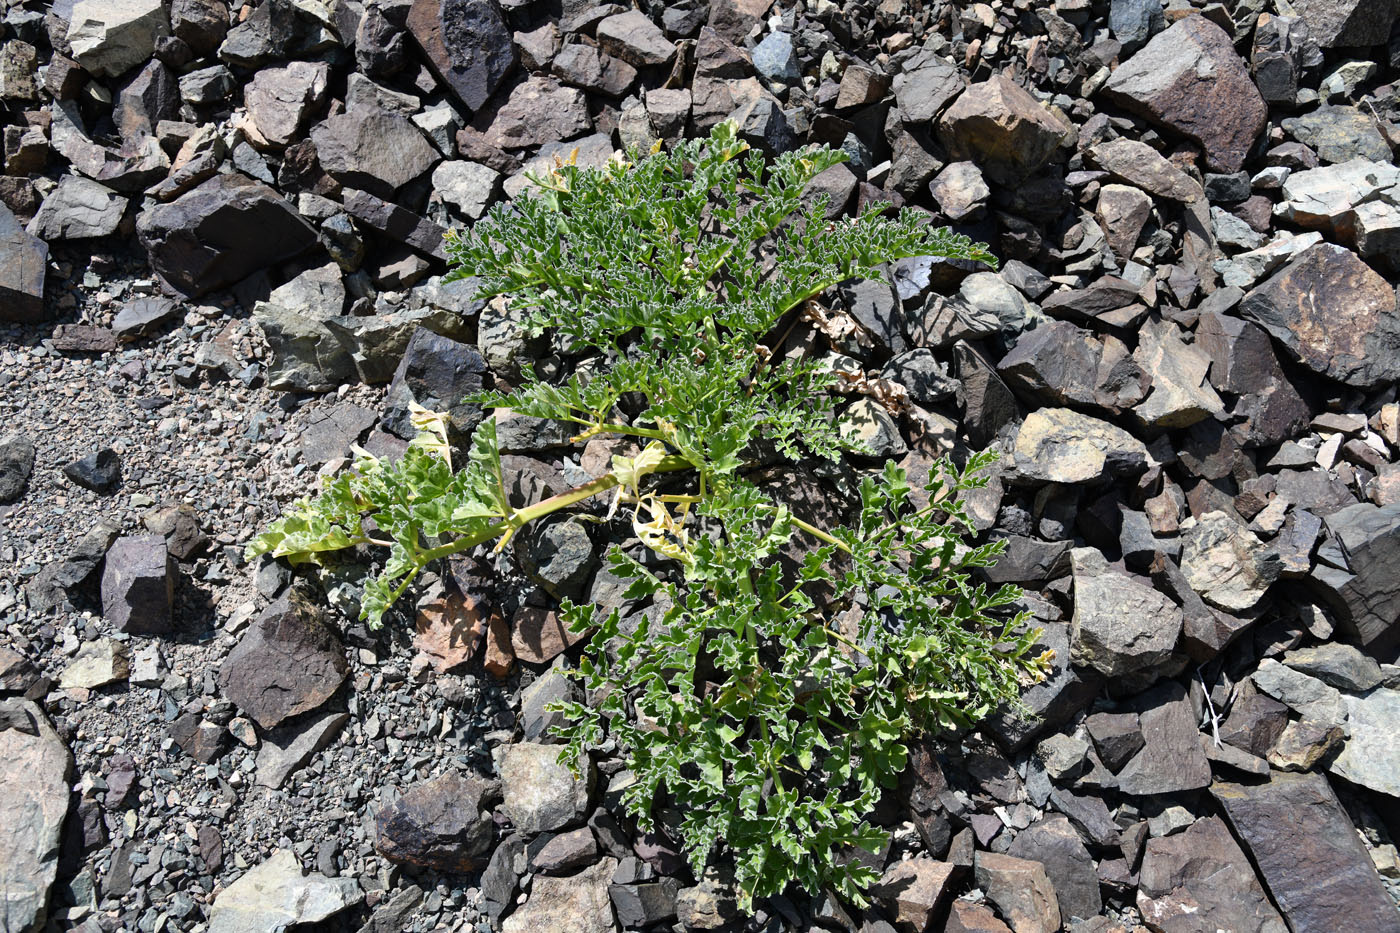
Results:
<point x="467" y="43"/>
<point x="35" y="772"/>
<point x="1190" y="80"/>
<point x="1056" y="845"/>
<point x="1366" y="595"/>
<point x="1121" y="626"/>
<point x="78" y="208"/>
<point x="287" y="663"/>
<point x="221" y="232"/>
<point x="1308" y="854"/>
<point x="24" y="260"/>
<point x="925" y="86"/>
<point x="308" y="355"/>
<point x="914" y="890"/>
<point x="276" y="895"/>
<point x="279" y="99"/>
<point x="1371" y="756"/>
<point x="1180" y="395"/>
<point x="1347" y="329"/>
<point x="1200" y="880"/>
<point x="109" y="37"/>
<point x="634" y="38"/>
<point x="373" y="150"/>
<point x="1306" y="695"/>
<point x="540" y="793"/>
<point x="1021" y="891"/>
<point x="444" y="824"/>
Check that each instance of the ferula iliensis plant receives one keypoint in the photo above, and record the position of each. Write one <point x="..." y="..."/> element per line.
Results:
<point x="764" y="721"/>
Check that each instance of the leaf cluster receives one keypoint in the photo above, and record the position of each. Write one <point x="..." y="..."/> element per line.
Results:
<point x="770" y="721"/>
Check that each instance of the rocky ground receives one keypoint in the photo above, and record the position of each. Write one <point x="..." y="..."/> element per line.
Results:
<point x="220" y="261"/>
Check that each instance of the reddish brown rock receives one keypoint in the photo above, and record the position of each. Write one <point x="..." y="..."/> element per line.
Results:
<point x="539" y="635"/>
<point x="448" y="630"/>
<point x="1189" y="79"/>
<point x="913" y="891"/>
<point x="999" y="125"/>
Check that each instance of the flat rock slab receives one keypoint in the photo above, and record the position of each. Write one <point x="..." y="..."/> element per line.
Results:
<point x="1334" y="314"/>
<point x="1363" y="598"/>
<point x="288" y="663"/>
<point x="1201" y="876"/>
<point x="276" y="895"/>
<point x="1308" y="854"/>
<point x="35" y="770"/>
<point x="1371" y="756"/>
<point x="1171" y="759"/>
<point x="1190" y="80"/>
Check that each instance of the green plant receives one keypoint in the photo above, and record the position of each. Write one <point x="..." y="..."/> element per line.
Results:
<point x="773" y="722"/>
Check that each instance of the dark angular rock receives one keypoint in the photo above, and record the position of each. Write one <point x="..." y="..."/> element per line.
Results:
<point x="200" y="24"/>
<point x="926" y="85"/>
<point x="565" y="853"/>
<point x="987" y="404"/>
<point x="269" y="33"/>
<point x="1054" y="843"/>
<point x="639" y="906"/>
<point x="437" y="373"/>
<point x="1201" y="877"/>
<point x="1254" y="724"/>
<point x="501" y="878"/>
<point x="634" y="38"/>
<point x="372" y="149"/>
<point x="287" y="663"/>
<point x="999" y="125"/>
<point x="16" y="464"/>
<point x="151" y="96"/>
<point x="99" y="471"/>
<point x="202" y="740"/>
<point x="467" y="44"/>
<point x="221" y="232"/>
<point x="1308" y="853"/>
<point x="397" y="222"/>
<point x="23" y="262"/>
<point x="559" y="556"/>
<point x="1347" y="23"/>
<point x="1364" y="596"/>
<point x="1190" y="80"/>
<point x="1117" y="736"/>
<point x="1020" y="890"/>
<point x="443" y="824"/>
<point x="537" y="112"/>
<point x="138" y="586"/>
<point x="1171" y="760"/>
<point x="1243" y="363"/>
<point x="913" y="891"/>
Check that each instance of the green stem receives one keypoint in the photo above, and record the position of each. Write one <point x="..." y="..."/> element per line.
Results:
<point x="521" y="517"/>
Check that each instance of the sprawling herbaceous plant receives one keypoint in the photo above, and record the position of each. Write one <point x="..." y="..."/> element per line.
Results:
<point x="766" y="699"/>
